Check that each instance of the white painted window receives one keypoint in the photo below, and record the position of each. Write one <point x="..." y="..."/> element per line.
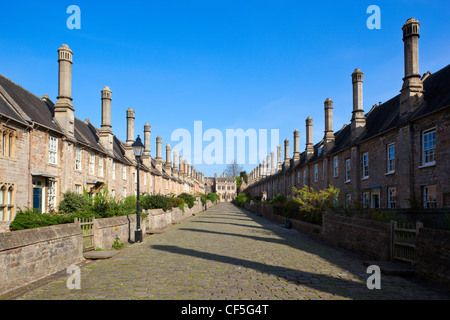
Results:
<point x="124" y="193"/>
<point x="365" y="199"/>
<point x="52" y="150"/>
<point x="91" y="163"/>
<point x="392" y="198"/>
<point x="365" y="165"/>
<point x="429" y="196"/>
<point x="78" y="189"/>
<point x="7" y="199"/>
<point x="335" y="166"/>
<point x="113" y="166"/>
<point x="124" y="172"/>
<point x="347" y="170"/>
<point x="100" y="166"/>
<point x="428" y="146"/>
<point x="51" y="196"/>
<point x="78" y="159"/>
<point x="391" y="157"/>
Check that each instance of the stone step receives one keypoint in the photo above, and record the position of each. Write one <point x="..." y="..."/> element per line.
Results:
<point x="99" y="254"/>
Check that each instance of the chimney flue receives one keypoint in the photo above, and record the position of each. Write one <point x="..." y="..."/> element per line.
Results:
<point x="309" y="137"/>
<point x="130" y="126"/>
<point x="412" y="88"/>
<point x="147" y="132"/>
<point x="358" y="122"/>
<point x="296" y="154"/>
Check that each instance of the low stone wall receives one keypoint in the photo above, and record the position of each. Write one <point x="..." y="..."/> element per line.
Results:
<point x="29" y="255"/>
<point x="106" y="230"/>
<point x="433" y="255"/>
<point x="368" y="238"/>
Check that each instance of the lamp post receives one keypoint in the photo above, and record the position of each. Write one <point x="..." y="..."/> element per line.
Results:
<point x="138" y="149"/>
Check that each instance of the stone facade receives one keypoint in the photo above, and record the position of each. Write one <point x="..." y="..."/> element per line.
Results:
<point x="45" y="151"/>
<point x="395" y="156"/>
<point x="223" y="186"/>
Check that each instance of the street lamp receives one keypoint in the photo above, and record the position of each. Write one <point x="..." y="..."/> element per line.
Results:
<point x="206" y="200"/>
<point x="138" y="149"/>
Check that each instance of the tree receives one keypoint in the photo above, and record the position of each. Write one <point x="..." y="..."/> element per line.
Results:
<point x="233" y="169"/>
<point x="243" y="175"/>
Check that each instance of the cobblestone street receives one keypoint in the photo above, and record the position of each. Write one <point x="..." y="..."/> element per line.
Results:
<point x="229" y="253"/>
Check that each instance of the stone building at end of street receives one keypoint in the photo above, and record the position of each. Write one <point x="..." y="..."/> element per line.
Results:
<point x="223" y="186"/>
<point x="395" y="156"/>
<point x="45" y="151"/>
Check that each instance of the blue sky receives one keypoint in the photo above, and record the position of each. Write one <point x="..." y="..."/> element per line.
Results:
<point x="230" y="64"/>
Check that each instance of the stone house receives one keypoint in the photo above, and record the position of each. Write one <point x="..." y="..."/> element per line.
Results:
<point x="45" y="150"/>
<point x="395" y="156"/>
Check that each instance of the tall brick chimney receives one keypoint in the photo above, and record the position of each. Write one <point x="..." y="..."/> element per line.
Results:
<point x="296" y="154"/>
<point x="64" y="110"/>
<point x="358" y="121"/>
<point x="329" y="134"/>
<point x="309" y="138"/>
<point x="412" y="90"/>
<point x="105" y="135"/>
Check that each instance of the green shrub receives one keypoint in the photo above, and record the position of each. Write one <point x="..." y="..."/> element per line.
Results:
<point x="31" y="218"/>
<point x="73" y="203"/>
<point x="155" y="201"/>
<point x="241" y="198"/>
<point x="188" y="199"/>
<point x="279" y="199"/>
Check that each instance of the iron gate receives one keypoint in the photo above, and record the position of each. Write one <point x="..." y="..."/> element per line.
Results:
<point x="87" y="227"/>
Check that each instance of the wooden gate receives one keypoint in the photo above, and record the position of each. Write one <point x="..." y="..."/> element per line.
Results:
<point x="404" y="241"/>
<point x="87" y="226"/>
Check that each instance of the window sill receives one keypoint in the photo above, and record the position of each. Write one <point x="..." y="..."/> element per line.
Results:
<point x="365" y="178"/>
<point x="348" y="181"/>
<point x="431" y="164"/>
<point x="389" y="173"/>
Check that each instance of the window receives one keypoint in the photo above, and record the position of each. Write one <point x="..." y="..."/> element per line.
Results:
<point x="78" y="154"/>
<point x="365" y="200"/>
<point x="304" y="177"/>
<point x="7" y="200"/>
<point x="113" y="166"/>
<point x="91" y="163"/>
<point x="392" y="198"/>
<point x="100" y="166"/>
<point x="78" y="189"/>
<point x="113" y="193"/>
<point x="145" y="178"/>
<point x="124" y="193"/>
<point x="428" y="146"/>
<point x="316" y="173"/>
<point x="298" y="177"/>
<point x="347" y="170"/>
<point x="348" y="200"/>
<point x="7" y="142"/>
<point x="429" y="196"/>
<point x="335" y="166"/>
<point x="324" y="168"/>
<point x="52" y="150"/>
<point x="51" y="196"/>
<point x="365" y="165"/>
<point x="391" y="158"/>
<point x="124" y="172"/>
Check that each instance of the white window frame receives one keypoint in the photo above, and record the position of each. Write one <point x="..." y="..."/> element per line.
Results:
<point x="365" y="165"/>
<point x="429" y="196"/>
<point x="392" y="198"/>
<point x="78" y="159"/>
<point x="348" y="170"/>
<point x="52" y="195"/>
<point x="429" y="147"/>
<point x="390" y="156"/>
<point x="335" y="166"/>
<point x="316" y="172"/>
<point x="124" y="172"/>
<point x="52" y="150"/>
<point x="100" y="166"/>
<point x="78" y="189"/>
<point x="91" y="163"/>
<point x="366" y="200"/>
<point x="113" y="166"/>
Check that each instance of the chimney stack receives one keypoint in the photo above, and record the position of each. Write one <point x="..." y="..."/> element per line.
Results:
<point x="286" y="153"/>
<point x="272" y="162"/>
<point x="412" y="89"/>
<point x="175" y="161"/>
<point x="296" y="154"/>
<point x="309" y="138"/>
<point x="105" y="135"/>
<point x="158" y="158"/>
<point x="147" y="132"/>
<point x="329" y="134"/>
<point x="130" y="126"/>
<point x="168" y="164"/>
<point x="64" y="111"/>
<point x="358" y="117"/>
<point x="278" y="158"/>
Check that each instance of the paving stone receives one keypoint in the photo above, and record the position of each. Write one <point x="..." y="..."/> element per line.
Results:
<point x="229" y="253"/>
